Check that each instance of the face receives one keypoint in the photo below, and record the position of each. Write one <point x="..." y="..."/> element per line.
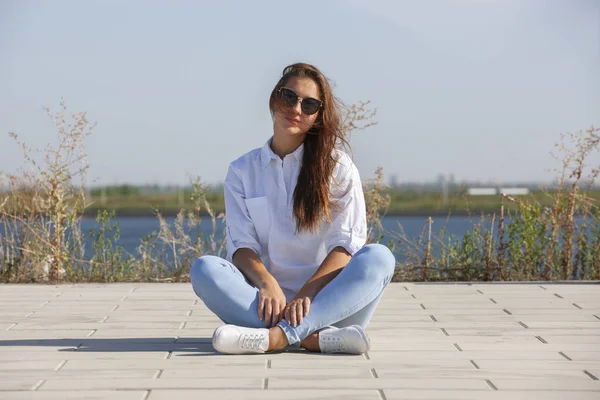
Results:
<point x="291" y="120"/>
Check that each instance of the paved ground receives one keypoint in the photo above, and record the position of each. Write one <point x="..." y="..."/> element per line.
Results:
<point x="152" y="341"/>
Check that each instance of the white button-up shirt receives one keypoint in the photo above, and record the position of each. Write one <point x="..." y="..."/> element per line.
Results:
<point x="259" y="203"/>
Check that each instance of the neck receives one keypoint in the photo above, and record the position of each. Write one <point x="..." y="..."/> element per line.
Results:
<point x="284" y="145"/>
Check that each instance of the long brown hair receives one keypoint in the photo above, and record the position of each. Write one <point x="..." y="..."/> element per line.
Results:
<point x="312" y="194"/>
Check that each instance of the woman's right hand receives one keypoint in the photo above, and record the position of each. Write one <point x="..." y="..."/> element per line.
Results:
<point x="271" y="303"/>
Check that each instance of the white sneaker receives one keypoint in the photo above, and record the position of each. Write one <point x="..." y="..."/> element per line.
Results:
<point x="350" y="340"/>
<point x="232" y="339"/>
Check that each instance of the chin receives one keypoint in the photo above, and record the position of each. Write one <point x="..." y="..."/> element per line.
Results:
<point x="295" y="131"/>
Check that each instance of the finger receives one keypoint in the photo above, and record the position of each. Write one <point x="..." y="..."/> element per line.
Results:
<point x="297" y="312"/>
<point x="306" y="306"/>
<point x="287" y="313"/>
<point x="294" y="315"/>
<point x="283" y="308"/>
<point x="268" y="312"/>
<point x="303" y="309"/>
<point x="276" y="312"/>
<point x="261" y="308"/>
<point x="300" y="313"/>
<point x="280" y="314"/>
<point x="275" y="315"/>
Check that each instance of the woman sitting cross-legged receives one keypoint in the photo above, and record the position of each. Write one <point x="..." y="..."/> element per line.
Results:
<point x="298" y="272"/>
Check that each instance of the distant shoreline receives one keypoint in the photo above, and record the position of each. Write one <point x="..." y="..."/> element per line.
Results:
<point x="415" y="213"/>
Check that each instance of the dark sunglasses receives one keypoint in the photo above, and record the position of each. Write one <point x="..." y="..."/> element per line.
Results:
<point x="309" y="105"/>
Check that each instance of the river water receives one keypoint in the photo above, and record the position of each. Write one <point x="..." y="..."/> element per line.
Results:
<point x="133" y="229"/>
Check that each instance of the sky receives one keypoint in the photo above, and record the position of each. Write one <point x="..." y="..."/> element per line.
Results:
<point x="480" y="89"/>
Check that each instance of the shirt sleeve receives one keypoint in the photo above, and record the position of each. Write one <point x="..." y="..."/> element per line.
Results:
<point x="349" y="222"/>
<point x="239" y="226"/>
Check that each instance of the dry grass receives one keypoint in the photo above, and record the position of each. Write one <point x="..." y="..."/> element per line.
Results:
<point x="42" y="207"/>
<point x="535" y="242"/>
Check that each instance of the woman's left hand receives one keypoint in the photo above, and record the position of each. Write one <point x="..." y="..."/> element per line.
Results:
<point x="296" y="310"/>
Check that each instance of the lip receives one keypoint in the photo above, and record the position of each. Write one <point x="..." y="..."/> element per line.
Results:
<point x="293" y="121"/>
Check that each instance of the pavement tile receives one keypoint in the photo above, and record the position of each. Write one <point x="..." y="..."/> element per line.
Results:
<point x="529" y="347"/>
<point x="235" y="372"/>
<point x="143" y="384"/>
<point x="569" y="385"/>
<point x="380" y="383"/>
<point x="468" y="355"/>
<point x="148" y="333"/>
<point x="387" y="331"/>
<point x="83" y="355"/>
<point x="419" y="311"/>
<point x="44" y="325"/>
<point x="77" y="374"/>
<point x="508" y="325"/>
<point x="472" y="373"/>
<point x="518" y="339"/>
<point x="18" y="384"/>
<point x="44" y="334"/>
<point x="304" y="394"/>
<point x="520" y="311"/>
<point x="494" y="365"/>
<point x="588" y="305"/>
<point x="531" y="320"/>
<point x="21" y="347"/>
<point x="571" y="339"/>
<point x="404" y="363"/>
<point x="449" y="341"/>
<point x="548" y="325"/>
<point x="395" y="394"/>
<point x="521" y="332"/>
<point x="403" y="318"/>
<point x="584" y="355"/>
<point x="400" y="345"/>
<point x="177" y="312"/>
<point x="527" y="318"/>
<point x="594" y="371"/>
<point x="76" y="395"/>
<point x="192" y="363"/>
<point x="148" y="318"/>
<point x="26" y="365"/>
<point x="539" y="346"/>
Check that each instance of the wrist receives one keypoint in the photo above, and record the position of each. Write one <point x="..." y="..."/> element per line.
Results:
<point x="307" y="290"/>
<point x="266" y="282"/>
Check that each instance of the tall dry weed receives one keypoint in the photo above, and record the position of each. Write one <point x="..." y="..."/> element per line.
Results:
<point x="43" y="204"/>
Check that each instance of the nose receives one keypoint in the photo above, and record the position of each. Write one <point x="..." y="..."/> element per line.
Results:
<point x="298" y="107"/>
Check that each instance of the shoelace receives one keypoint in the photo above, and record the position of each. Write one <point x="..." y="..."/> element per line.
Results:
<point x="334" y="344"/>
<point x="251" y="340"/>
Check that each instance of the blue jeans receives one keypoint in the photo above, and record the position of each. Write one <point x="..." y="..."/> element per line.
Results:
<point x="349" y="299"/>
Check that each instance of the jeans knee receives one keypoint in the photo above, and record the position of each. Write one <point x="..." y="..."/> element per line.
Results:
<point x="381" y="257"/>
<point x="202" y="270"/>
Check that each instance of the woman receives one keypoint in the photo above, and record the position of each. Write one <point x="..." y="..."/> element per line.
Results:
<point x="297" y="272"/>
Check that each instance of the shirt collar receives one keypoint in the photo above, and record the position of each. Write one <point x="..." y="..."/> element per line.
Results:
<point x="267" y="154"/>
<point x="299" y="152"/>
